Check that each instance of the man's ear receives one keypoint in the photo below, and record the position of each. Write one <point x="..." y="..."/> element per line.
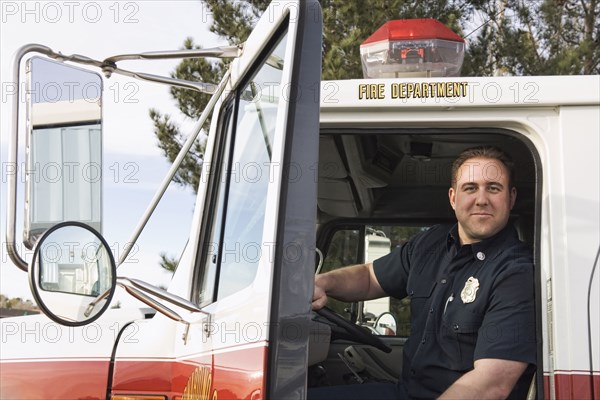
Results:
<point x="513" y="196"/>
<point x="452" y="198"/>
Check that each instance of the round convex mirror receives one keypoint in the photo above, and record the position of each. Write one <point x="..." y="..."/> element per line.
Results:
<point x="72" y="274"/>
<point x="386" y="324"/>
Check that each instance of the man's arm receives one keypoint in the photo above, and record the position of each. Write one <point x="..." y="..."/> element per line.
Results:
<point x="353" y="283"/>
<point x="490" y="379"/>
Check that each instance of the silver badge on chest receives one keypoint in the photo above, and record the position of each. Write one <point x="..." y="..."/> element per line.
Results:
<point x="470" y="290"/>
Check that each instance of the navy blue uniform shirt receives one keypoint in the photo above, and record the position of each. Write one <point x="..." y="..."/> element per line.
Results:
<point x="467" y="303"/>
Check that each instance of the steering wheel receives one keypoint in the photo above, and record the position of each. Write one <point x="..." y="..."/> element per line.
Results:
<point x="357" y="333"/>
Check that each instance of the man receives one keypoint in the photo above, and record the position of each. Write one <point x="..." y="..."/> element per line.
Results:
<point x="471" y="289"/>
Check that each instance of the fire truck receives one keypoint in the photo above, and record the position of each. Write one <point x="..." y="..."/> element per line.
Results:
<point x="347" y="170"/>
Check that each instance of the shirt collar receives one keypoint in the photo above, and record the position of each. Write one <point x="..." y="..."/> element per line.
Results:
<point x="489" y="247"/>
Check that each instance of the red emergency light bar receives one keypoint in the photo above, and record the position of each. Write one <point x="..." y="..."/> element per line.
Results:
<point x="412" y="47"/>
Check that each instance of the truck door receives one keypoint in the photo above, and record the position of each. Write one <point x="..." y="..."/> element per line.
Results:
<point x="249" y="262"/>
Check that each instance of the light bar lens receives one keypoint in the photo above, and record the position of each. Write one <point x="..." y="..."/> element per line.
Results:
<point x="405" y="58"/>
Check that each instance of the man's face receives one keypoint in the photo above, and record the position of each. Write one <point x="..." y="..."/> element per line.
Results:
<point x="481" y="199"/>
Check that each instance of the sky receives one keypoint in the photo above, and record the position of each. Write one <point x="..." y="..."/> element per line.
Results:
<point x="133" y="165"/>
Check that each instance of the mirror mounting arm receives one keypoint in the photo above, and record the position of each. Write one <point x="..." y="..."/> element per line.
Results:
<point x="138" y="294"/>
<point x="136" y="288"/>
<point x="160" y="293"/>
<point x="202" y="87"/>
<point x="216" y="52"/>
<point x="109" y="66"/>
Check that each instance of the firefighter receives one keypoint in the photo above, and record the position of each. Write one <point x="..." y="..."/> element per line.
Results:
<point x="471" y="287"/>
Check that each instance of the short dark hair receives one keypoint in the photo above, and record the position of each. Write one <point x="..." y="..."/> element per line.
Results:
<point x="490" y="152"/>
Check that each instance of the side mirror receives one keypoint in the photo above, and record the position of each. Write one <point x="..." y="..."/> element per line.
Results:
<point x="64" y="147"/>
<point x="72" y="267"/>
<point x="386" y="324"/>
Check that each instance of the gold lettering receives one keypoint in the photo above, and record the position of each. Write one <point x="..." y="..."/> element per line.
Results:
<point x="403" y="91"/>
<point x="417" y="90"/>
<point x="441" y="90"/>
<point x="465" y="86"/>
<point x="362" y="90"/>
<point x="371" y="91"/>
<point x="410" y="90"/>
<point x="199" y="385"/>
<point x="449" y="92"/>
<point x="394" y="90"/>
<point x="458" y="89"/>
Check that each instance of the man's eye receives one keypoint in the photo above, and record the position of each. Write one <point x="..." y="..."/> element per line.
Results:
<point x="470" y="189"/>
<point x="494" y="189"/>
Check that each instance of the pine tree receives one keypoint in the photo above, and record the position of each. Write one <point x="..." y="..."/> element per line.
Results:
<point x="536" y="37"/>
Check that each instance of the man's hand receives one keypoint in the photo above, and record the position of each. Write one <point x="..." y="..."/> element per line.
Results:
<point x="319" y="296"/>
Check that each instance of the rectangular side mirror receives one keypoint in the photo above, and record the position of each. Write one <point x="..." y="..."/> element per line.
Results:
<point x="64" y="147"/>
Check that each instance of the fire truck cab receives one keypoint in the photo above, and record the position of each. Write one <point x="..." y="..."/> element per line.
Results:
<point x="344" y="172"/>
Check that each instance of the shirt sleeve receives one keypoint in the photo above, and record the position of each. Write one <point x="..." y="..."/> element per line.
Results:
<point x="508" y="328"/>
<point x="392" y="270"/>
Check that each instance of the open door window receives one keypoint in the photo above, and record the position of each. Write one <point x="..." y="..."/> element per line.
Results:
<point x="274" y="96"/>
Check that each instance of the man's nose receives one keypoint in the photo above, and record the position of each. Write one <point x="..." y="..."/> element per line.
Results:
<point x="482" y="197"/>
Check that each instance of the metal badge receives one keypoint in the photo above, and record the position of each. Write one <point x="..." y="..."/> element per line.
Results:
<point x="470" y="290"/>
